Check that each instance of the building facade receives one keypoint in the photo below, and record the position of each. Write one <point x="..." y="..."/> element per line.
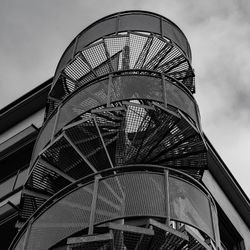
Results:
<point x="110" y="154"/>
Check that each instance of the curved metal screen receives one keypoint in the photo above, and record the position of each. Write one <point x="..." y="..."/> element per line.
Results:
<point x="122" y="51"/>
<point x="188" y="204"/>
<point x="122" y="97"/>
<point x="117" y="88"/>
<point x="129" y="195"/>
<point x="117" y="136"/>
<point x="119" y="196"/>
<point x="131" y="20"/>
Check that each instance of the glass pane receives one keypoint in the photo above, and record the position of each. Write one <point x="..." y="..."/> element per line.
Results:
<point x="189" y="205"/>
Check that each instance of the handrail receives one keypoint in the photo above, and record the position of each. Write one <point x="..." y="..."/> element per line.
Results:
<point x="121" y="73"/>
<point x="108" y="173"/>
<point x="174" y="33"/>
<point x="124" y="73"/>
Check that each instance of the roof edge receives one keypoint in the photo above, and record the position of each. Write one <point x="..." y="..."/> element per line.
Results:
<point x="228" y="183"/>
<point x="21" y="108"/>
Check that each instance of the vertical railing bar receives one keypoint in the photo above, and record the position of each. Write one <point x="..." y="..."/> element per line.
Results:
<point x="103" y="143"/>
<point x="197" y="112"/>
<point x="164" y="90"/>
<point x="26" y="238"/>
<point x="15" y="181"/>
<point x="117" y="24"/>
<point x="93" y="206"/>
<point x="214" y="223"/>
<point x="109" y="90"/>
<point x="55" y="124"/>
<point x="167" y="205"/>
<point x="212" y="218"/>
<point x="74" y="49"/>
<point x="106" y="151"/>
<point x="161" y="28"/>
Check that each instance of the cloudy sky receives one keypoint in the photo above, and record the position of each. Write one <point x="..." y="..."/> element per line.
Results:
<point x="35" y="33"/>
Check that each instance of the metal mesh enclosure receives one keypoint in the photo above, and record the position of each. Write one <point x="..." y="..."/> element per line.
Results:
<point x="67" y="216"/>
<point x="126" y="195"/>
<point x="125" y="51"/>
<point x="129" y="199"/>
<point x="132" y="133"/>
<point x="62" y="156"/>
<point x="121" y="138"/>
<point x="118" y="88"/>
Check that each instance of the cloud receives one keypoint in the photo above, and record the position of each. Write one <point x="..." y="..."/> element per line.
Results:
<point x="34" y="35"/>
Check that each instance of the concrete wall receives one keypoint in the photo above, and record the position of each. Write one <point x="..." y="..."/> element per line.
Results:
<point x="227" y="207"/>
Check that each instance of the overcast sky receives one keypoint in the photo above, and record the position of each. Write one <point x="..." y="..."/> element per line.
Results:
<point x="35" y="33"/>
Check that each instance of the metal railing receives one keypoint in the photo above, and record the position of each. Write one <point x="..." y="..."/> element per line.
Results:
<point x="124" y="85"/>
<point x="120" y="193"/>
<point x="123" y="21"/>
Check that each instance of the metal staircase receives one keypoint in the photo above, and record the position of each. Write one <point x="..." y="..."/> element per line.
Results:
<point x="119" y="160"/>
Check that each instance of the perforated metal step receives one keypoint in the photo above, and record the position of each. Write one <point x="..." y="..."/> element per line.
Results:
<point x="126" y="237"/>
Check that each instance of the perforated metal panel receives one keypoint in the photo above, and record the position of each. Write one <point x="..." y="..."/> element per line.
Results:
<point x="64" y="157"/>
<point x="124" y="51"/>
<point x="65" y="217"/>
<point x="121" y="105"/>
<point x="29" y="204"/>
<point x="124" y="195"/>
<point x="127" y="195"/>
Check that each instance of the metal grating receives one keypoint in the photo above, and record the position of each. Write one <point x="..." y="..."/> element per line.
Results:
<point x="124" y="51"/>
<point x="119" y="196"/>
<point x="100" y="241"/>
<point x="133" y="109"/>
<point x="100" y="245"/>
<point x="102" y="69"/>
<point x="166" y="240"/>
<point x="95" y="54"/>
<point x="63" y="156"/>
<point x="155" y="49"/>
<point x="87" y="139"/>
<point x="109" y="124"/>
<point x="67" y="216"/>
<point x="29" y="204"/>
<point x="171" y="63"/>
<point x="116" y="44"/>
<point x="77" y="68"/>
<point x="46" y="180"/>
<point x="130" y="240"/>
<point x="133" y="134"/>
<point x="136" y="44"/>
<point x="159" y="56"/>
<point x="128" y="195"/>
<point x="195" y="243"/>
<point x="166" y="237"/>
<point x="110" y="200"/>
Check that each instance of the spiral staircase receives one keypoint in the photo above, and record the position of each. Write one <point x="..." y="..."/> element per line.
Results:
<point x="119" y="159"/>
